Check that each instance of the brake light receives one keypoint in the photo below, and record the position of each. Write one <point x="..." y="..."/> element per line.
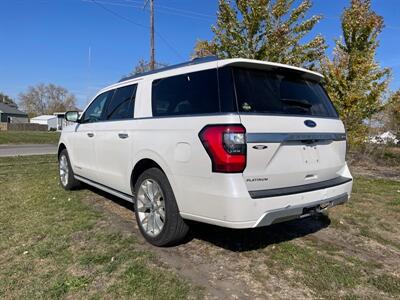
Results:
<point x="226" y="146"/>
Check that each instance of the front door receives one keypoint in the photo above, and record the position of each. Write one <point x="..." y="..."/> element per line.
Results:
<point x="83" y="156"/>
<point x="114" y="140"/>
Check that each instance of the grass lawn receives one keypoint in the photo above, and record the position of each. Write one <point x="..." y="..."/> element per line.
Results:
<point x="358" y="256"/>
<point x="29" y="137"/>
<point x="53" y="245"/>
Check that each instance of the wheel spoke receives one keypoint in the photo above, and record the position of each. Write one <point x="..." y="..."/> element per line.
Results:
<point x="159" y="222"/>
<point x="154" y="223"/>
<point x="151" y="221"/>
<point x="142" y="209"/>
<point x="157" y="193"/>
<point x="161" y="212"/>
<point x="146" y="190"/>
<point x="151" y="190"/>
<point x="148" y="222"/>
<point x="146" y="218"/>
<point x="141" y="199"/>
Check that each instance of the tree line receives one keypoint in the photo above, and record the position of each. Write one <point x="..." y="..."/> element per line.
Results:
<point x="43" y="99"/>
<point x="280" y="31"/>
<point x="276" y="30"/>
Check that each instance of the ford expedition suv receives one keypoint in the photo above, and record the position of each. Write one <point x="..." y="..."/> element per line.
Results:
<point x="236" y="143"/>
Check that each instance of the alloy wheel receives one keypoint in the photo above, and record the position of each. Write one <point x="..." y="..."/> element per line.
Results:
<point x="151" y="207"/>
<point x="64" y="170"/>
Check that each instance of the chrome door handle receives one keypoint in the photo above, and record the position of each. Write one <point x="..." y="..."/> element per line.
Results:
<point x="123" y="135"/>
<point x="90" y="134"/>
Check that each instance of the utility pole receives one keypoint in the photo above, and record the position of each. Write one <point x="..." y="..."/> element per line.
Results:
<point x="152" y="50"/>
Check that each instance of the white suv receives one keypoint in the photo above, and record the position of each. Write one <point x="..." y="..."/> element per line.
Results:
<point x="236" y="143"/>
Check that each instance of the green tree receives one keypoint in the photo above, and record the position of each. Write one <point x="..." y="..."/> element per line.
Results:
<point x="354" y="80"/>
<point x="203" y="48"/>
<point x="272" y="30"/>
<point x="393" y="113"/>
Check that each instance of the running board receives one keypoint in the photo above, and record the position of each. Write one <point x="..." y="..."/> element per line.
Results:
<point x="105" y="188"/>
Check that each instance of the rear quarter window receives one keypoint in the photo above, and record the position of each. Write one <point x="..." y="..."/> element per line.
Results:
<point x="186" y="94"/>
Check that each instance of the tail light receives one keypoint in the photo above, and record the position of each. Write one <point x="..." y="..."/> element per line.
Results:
<point x="226" y="146"/>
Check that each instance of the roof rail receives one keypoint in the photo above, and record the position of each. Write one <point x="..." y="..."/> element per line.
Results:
<point x="195" y="61"/>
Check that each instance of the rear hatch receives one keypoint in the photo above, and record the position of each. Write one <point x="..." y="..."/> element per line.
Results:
<point x="294" y="136"/>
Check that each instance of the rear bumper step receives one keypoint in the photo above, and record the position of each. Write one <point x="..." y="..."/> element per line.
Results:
<point x="300" y="211"/>
<point x="299" y="189"/>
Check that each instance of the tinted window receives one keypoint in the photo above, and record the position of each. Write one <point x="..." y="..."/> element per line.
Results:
<point x="281" y="93"/>
<point x="226" y="90"/>
<point x="94" y="112"/>
<point x="193" y="93"/>
<point x="122" y="103"/>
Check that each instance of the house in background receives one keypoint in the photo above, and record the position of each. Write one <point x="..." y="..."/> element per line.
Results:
<point x="11" y="114"/>
<point x="49" y="120"/>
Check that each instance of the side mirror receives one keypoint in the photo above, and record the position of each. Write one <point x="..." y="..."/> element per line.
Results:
<point x="72" y="116"/>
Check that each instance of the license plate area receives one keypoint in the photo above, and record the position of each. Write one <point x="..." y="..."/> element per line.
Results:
<point x="310" y="153"/>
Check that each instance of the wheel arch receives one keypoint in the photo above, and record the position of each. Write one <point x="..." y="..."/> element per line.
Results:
<point x="141" y="166"/>
<point x="149" y="160"/>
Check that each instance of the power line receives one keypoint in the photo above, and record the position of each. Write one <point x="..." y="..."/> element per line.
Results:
<point x="166" y="7"/>
<point x="176" y="13"/>
<point x="116" y="14"/>
<point x="137" y="24"/>
<point x="186" y="11"/>
<point x="161" y="9"/>
<point x="116" y="4"/>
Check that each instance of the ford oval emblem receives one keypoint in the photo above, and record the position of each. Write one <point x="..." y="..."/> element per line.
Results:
<point x="310" y="123"/>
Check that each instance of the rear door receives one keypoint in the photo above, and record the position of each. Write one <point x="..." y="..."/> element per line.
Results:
<point x="294" y="136"/>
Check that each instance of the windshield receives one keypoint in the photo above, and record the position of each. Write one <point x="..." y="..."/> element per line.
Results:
<point x="268" y="92"/>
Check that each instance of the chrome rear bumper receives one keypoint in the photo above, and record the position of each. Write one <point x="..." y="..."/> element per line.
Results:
<point x="299" y="211"/>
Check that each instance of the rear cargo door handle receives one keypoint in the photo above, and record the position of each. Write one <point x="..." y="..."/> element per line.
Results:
<point x="123" y="135"/>
<point x="90" y="134"/>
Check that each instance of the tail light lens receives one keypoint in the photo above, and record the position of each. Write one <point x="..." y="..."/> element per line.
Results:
<point x="226" y="146"/>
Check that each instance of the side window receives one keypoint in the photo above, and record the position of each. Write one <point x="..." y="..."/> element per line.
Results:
<point x="122" y="104"/>
<point x="186" y="94"/>
<point x="95" y="110"/>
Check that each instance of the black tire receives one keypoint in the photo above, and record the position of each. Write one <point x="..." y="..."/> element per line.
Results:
<point x="71" y="182"/>
<point x="174" y="228"/>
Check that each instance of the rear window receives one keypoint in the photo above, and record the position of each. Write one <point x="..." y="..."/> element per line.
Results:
<point x="186" y="94"/>
<point x="283" y="93"/>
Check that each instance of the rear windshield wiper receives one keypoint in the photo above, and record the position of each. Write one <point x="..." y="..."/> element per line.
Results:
<point x="297" y="102"/>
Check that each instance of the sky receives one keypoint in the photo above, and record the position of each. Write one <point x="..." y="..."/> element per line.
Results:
<point x="85" y="45"/>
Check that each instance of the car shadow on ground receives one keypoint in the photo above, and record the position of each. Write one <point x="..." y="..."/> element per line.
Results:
<point x="240" y="240"/>
<point x="108" y="196"/>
